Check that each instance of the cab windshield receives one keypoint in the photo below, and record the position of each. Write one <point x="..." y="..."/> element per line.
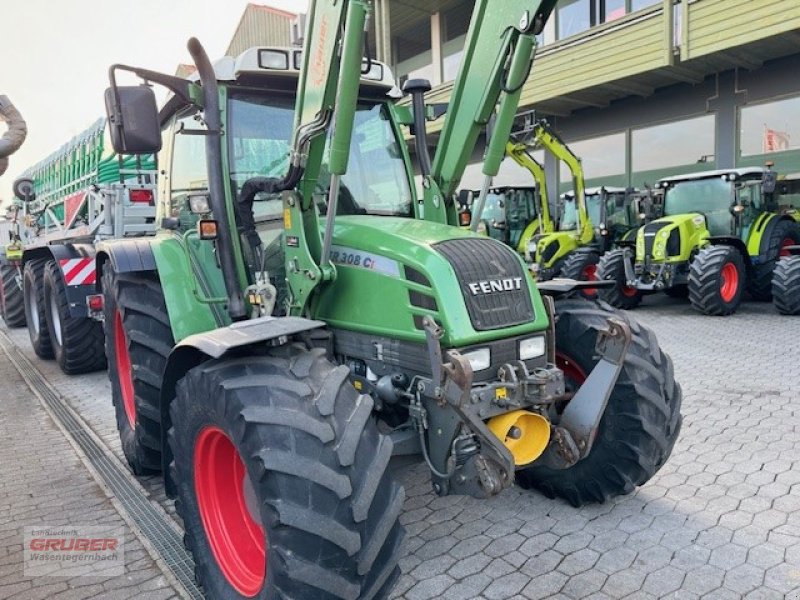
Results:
<point x="710" y="197"/>
<point x="569" y="212"/>
<point x="376" y="182"/>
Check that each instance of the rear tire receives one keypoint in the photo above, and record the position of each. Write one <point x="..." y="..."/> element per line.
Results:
<point x="12" y="300"/>
<point x="322" y="508"/>
<point x="35" y="308"/>
<point x="785" y="233"/>
<point x="138" y="341"/>
<point x="582" y="266"/>
<point x="77" y="342"/>
<point x="612" y="266"/>
<point x="641" y="422"/>
<point x="786" y="286"/>
<point x="716" y="280"/>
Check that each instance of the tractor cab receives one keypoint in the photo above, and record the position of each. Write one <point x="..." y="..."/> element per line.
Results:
<point x="508" y="212"/>
<point x="610" y="210"/>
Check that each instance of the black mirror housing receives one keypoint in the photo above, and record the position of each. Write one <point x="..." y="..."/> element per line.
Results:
<point x="133" y="119"/>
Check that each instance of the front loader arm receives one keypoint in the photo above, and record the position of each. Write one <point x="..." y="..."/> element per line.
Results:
<point x="545" y="137"/>
<point x="518" y="152"/>
<point x="498" y="54"/>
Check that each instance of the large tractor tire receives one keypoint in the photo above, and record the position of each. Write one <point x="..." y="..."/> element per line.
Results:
<point x="784" y="234"/>
<point x="582" y="266"/>
<point x="717" y="280"/>
<point x="282" y="480"/>
<point x="786" y="286"/>
<point x="77" y="342"/>
<point x="612" y="266"/>
<point x="35" y="308"/>
<point x="641" y="421"/>
<point x="12" y="301"/>
<point x="138" y="341"/>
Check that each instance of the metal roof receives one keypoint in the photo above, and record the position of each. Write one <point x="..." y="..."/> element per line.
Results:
<point x="738" y="173"/>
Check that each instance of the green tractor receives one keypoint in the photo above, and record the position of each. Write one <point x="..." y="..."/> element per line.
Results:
<point x="301" y="316"/>
<point x="721" y="234"/>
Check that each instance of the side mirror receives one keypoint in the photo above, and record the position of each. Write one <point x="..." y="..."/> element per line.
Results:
<point x="133" y="119"/>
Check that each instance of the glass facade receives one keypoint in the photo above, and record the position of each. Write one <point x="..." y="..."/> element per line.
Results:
<point x="411" y="48"/>
<point x="601" y="157"/>
<point x="769" y="127"/>
<point x="576" y="16"/>
<point x="686" y="142"/>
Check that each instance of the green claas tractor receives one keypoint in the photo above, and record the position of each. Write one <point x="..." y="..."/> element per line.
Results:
<point x="301" y="316"/>
<point x="721" y="234"/>
<point x="614" y="212"/>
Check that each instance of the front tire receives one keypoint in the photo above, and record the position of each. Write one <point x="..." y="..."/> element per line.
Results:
<point x="35" y="308"/>
<point x="716" y="280"/>
<point x="582" y="266"/>
<point x="317" y="506"/>
<point x="77" y="342"/>
<point x="640" y="424"/>
<point x="12" y="300"/>
<point x="621" y="295"/>
<point x="786" y="286"/>
<point x="138" y="341"/>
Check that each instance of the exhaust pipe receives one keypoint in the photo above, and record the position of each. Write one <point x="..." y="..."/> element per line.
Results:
<point x="525" y="434"/>
<point x="17" y="131"/>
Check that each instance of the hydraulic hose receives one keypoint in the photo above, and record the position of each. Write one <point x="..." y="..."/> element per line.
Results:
<point x="16" y="134"/>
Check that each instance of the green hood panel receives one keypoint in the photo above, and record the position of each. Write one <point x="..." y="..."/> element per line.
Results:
<point x="692" y="233"/>
<point x="389" y="276"/>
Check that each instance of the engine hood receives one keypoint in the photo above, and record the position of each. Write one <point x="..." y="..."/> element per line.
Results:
<point x="391" y="272"/>
<point x="670" y="238"/>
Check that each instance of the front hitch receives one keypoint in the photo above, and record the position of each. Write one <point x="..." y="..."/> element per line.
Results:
<point x="577" y="429"/>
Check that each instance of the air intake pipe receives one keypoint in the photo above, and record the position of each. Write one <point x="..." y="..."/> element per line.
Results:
<point x="17" y="131"/>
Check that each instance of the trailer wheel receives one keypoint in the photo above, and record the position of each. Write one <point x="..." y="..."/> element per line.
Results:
<point x="786" y="286"/>
<point x="12" y="300"/>
<point x="35" y="308"/>
<point x="77" y="342"/>
<point x="641" y="422"/>
<point x="621" y="295"/>
<point x="716" y="280"/>
<point x="785" y="234"/>
<point x="582" y="266"/>
<point x="138" y="341"/>
<point x="282" y="480"/>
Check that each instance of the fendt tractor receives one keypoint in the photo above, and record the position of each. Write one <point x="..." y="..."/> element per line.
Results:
<point x="79" y="195"/>
<point x="721" y="234"/>
<point x="12" y="309"/>
<point x="301" y="316"/>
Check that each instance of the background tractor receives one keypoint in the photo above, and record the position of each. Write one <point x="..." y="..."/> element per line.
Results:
<point x="721" y="234"/>
<point x="301" y="316"/>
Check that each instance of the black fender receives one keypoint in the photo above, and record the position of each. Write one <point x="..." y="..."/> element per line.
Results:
<point x="126" y="256"/>
<point x="76" y="294"/>
<point x="218" y="343"/>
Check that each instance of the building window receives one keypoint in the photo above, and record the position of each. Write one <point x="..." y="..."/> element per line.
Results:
<point x="686" y="142"/>
<point x="511" y="174"/>
<point x="576" y="16"/>
<point x="769" y="127"/>
<point x="600" y="157"/>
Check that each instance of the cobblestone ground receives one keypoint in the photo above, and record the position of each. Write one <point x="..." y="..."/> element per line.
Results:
<point x="44" y="483"/>
<point x="720" y="520"/>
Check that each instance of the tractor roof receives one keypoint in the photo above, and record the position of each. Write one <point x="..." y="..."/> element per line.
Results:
<point x="593" y="191"/>
<point x="744" y="173"/>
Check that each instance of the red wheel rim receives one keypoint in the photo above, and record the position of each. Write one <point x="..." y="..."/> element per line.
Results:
<point x="590" y="274"/>
<point x="729" y="282"/>
<point x="573" y="373"/>
<point x="784" y="247"/>
<point x="124" y="371"/>
<point x="237" y="540"/>
<point x="628" y="291"/>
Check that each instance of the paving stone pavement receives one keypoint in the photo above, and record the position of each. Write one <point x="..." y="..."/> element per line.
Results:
<point x="720" y="520"/>
<point x="44" y="483"/>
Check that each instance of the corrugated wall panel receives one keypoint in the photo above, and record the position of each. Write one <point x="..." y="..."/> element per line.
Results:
<point x="716" y="25"/>
<point x="260" y="27"/>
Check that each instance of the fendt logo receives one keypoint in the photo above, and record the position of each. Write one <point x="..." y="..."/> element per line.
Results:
<point x="490" y="286"/>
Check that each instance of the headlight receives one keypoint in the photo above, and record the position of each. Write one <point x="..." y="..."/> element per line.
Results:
<point x="479" y="359"/>
<point x="531" y="347"/>
<point x="198" y="204"/>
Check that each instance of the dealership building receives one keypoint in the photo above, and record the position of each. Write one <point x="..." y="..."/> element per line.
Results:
<point x="639" y="89"/>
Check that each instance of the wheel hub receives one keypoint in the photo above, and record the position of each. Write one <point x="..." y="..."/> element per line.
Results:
<point x="55" y="317"/>
<point x="228" y="508"/>
<point x="124" y="371"/>
<point x="729" y="282"/>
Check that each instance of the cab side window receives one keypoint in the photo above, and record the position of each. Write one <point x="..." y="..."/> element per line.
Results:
<point x="188" y="170"/>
